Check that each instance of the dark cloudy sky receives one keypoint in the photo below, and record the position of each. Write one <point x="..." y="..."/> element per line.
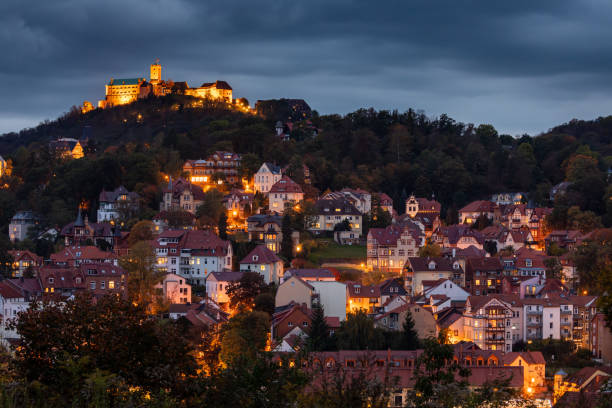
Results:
<point x="523" y="66"/>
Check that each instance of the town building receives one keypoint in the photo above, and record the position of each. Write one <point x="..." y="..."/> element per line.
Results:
<point x="422" y="206"/>
<point x="420" y="270"/>
<point x="267" y="175"/>
<point x="122" y="91"/>
<point x="458" y="236"/>
<point x="216" y="286"/>
<point x="265" y="262"/>
<point x="285" y="192"/>
<point x="24" y="261"/>
<point x="266" y="229"/>
<point x="470" y="213"/>
<point x="566" y="239"/>
<point x="238" y="204"/>
<point x="484" y="276"/>
<point x="174" y="289"/>
<point x="74" y="256"/>
<point x="100" y="278"/>
<point x="329" y="213"/>
<point x="67" y="148"/>
<point x="507" y="198"/>
<point x="424" y="321"/>
<point x="81" y="232"/>
<point x="181" y="195"/>
<point x="220" y="166"/>
<point x="320" y="274"/>
<point x="385" y="202"/>
<point x="493" y="322"/>
<point x="581" y="389"/>
<point x="361" y="199"/>
<point x="602" y="339"/>
<point x="20" y="224"/>
<point x="117" y="204"/>
<point x="389" y="248"/>
<point x="192" y="254"/>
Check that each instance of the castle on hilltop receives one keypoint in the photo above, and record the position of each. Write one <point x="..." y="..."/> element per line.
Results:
<point x="122" y="91"/>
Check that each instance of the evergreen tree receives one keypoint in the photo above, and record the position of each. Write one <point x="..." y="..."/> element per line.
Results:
<point x="410" y="337"/>
<point x="318" y="339"/>
<point x="287" y="243"/>
<point x="222" y="226"/>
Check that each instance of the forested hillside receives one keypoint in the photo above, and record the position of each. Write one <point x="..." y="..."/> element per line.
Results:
<point x="391" y="152"/>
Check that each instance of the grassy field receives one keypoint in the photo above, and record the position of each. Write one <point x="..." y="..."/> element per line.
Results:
<point x="329" y="249"/>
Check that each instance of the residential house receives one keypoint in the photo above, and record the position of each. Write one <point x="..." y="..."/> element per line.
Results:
<point x="507" y="198"/>
<point x="581" y="389"/>
<point x="585" y="309"/>
<point x="67" y="148"/>
<point x="12" y="302"/>
<point x="174" y="288"/>
<point x="362" y="297"/>
<point x="385" y="202"/>
<point x="330" y="295"/>
<point x="264" y="262"/>
<point x="567" y="239"/>
<point x="216" y="286"/>
<point x="470" y="213"/>
<point x="60" y="280"/>
<point x="192" y="254"/>
<point x="429" y="269"/>
<point x="287" y="319"/>
<point x="205" y="314"/>
<point x="308" y="275"/>
<point x="24" y="260"/>
<point x="484" y="275"/>
<point x="20" y="224"/>
<point x="361" y="199"/>
<point x="225" y="164"/>
<point x="493" y="322"/>
<point x="267" y="175"/>
<point x="389" y="248"/>
<point x="76" y="255"/>
<point x="266" y="229"/>
<point x="534" y="367"/>
<point x="422" y="206"/>
<point x="284" y="192"/>
<point x="447" y="288"/>
<point x="161" y="220"/>
<point x="180" y="194"/>
<point x="117" y="204"/>
<point x="458" y="236"/>
<point x="504" y="238"/>
<point x="102" y="278"/>
<point x="82" y="232"/>
<point x="424" y="321"/>
<point x="238" y="204"/>
<point x="331" y="212"/>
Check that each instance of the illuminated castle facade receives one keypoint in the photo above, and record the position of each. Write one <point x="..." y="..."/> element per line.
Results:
<point x="121" y="91"/>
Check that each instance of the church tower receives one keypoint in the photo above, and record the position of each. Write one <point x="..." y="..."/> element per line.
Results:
<point x="156" y="72"/>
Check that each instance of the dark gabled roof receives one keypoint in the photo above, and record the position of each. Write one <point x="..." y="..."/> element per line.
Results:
<point x="228" y="276"/>
<point x="262" y="219"/>
<point x="274" y="169"/>
<point x="485" y="264"/>
<point x="111" y="196"/>
<point x="335" y="206"/>
<point x="309" y="273"/>
<point x="479" y="206"/>
<point x="421" y="264"/>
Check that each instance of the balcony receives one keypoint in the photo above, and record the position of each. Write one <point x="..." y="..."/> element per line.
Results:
<point x="534" y="323"/>
<point x="534" y="312"/>
<point x="495" y="340"/>
<point x="495" y="328"/>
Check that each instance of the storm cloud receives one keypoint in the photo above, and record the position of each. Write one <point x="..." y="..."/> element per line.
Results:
<point x="523" y="66"/>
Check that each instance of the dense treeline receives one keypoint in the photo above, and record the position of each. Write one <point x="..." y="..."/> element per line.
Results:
<point x="396" y="153"/>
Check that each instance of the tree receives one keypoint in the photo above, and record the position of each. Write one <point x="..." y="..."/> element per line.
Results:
<point x="212" y="206"/>
<point x="554" y="270"/>
<point x="249" y="164"/>
<point x="222" y="226"/>
<point x="435" y="373"/>
<point x="6" y="259"/>
<point x="343" y="226"/>
<point x="357" y="332"/>
<point x="409" y="337"/>
<point x="490" y="247"/>
<point x="141" y="231"/>
<point x="63" y="343"/>
<point x="430" y="249"/>
<point x="287" y="241"/>
<point x="243" y="292"/>
<point x="178" y="219"/>
<point x="264" y="302"/>
<point x="245" y="337"/>
<point x="318" y="336"/>
<point x="142" y="276"/>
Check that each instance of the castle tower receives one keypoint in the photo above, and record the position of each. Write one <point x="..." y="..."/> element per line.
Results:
<point x="156" y="72"/>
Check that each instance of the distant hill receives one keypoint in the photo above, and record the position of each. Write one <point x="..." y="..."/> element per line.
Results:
<point x="381" y="151"/>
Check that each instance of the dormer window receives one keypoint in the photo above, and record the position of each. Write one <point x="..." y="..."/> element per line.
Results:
<point x="51" y="280"/>
<point x="528" y="262"/>
<point x="432" y="265"/>
<point x="255" y="258"/>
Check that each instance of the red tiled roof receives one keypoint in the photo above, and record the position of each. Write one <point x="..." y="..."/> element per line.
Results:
<point x="260" y="255"/>
<point x="485" y="264"/>
<point x="310" y="273"/>
<point x="19" y="255"/>
<point x="531" y="357"/>
<point x="9" y="292"/>
<point x="286" y="185"/>
<point x="81" y="253"/>
<point x="479" y="206"/>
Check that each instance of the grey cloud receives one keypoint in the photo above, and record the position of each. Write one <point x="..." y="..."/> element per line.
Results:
<point x="477" y="61"/>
